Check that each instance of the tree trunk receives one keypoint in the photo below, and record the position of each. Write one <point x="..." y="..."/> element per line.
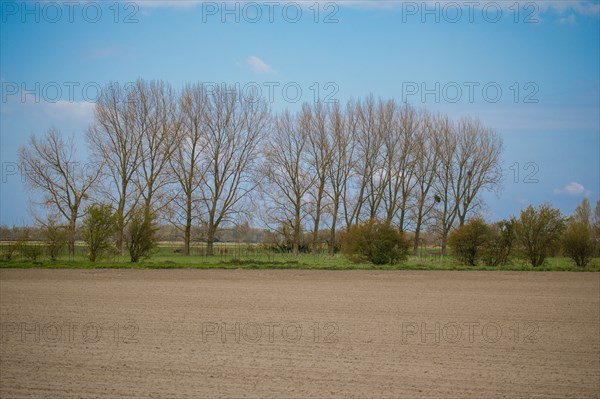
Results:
<point x="444" y="242"/>
<point x="316" y="230"/>
<point x="461" y="219"/>
<point x="210" y="240"/>
<point x="401" y="222"/>
<point x="210" y="235"/>
<point x="210" y="250"/>
<point x="332" y="234"/>
<point x="296" y="243"/>
<point x="187" y="235"/>
<point x="318" y="215"/>
<point x="71" y="241"/>
<point x="121" y="218"/>
<point x="120" y="238"/>
<point x="417" y="235"/>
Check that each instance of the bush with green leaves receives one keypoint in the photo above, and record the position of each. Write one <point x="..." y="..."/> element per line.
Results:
<point x="32" y="251"/>
<point x="141" y="235"/>
<point x="9" y="250"/>
<point x="469" y="241"/>
<point x="26" y="248"/>
<point x="98" y="229"/>
<point x="538" y="232"/>
<point x="499" y="246"/>
<point x="578" y="243"/>
<point x="55" y="237"/>
<point x="376" y="242"/>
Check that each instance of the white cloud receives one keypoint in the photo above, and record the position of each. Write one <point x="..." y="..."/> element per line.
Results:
<point x="258" y="65"/>
<point x="50" y="111"/>
<point x="567" y="20"/>
<point x="82" y="111"/>
<point x="574" y="189"/>
<point x="583" y="7"/>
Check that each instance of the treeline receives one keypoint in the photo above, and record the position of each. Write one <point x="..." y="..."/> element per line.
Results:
<point x="207" y="158"/>
<point x="243" y="233"/>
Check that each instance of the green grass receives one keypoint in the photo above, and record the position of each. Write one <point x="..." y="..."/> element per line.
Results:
<point x="254" y="257"/>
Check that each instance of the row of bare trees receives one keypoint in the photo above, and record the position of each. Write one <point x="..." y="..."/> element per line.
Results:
<point x="376" y="159"/>
<point x="213" y="158"/>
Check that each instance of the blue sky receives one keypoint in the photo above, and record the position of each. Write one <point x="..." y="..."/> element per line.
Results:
<point x="528" y="69"/>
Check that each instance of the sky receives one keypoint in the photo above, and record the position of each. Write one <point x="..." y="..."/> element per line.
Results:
<point x="529" y="70"/>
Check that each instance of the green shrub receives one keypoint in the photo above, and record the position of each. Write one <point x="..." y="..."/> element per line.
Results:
<point x="9" y="250"/>
<point x="55" y="237"/>
<point x="32" y="251"/>
<point x="141" y="235"/>
<point x="578" y="243"/>
<point x="468" y="242"/>
<point x="375" y="242"/>
<point x="99" y="227"/>
<point x="538" y="232"/>
<point x="501" y="240"/>
<point x="27" y="249"/>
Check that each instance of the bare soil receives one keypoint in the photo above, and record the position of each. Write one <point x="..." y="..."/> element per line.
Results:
<point x="298" y="334"/>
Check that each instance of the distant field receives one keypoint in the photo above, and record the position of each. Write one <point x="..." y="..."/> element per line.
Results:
<point x="255" y="256"/>
<point x="298" y="334"/>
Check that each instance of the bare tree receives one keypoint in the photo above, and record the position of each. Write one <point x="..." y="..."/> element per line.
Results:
<point x="426" y="159"/>
<point x="235" y="126"/>
<point x="368" y="185"/>
<point x="158" y="124"/>
<point x="371" y="143"/>
<point x="583" y="212"/>
<point x="400" y="127"/>
<point x="341" y="165"/>
<point x="288" y="177"/>
<point x="352" y="198"/>
<point x="389" y="170"/>
<point x="51" y="168"/>
<point x="186" y="163"/>
<point x="469" y="155"/>
<point x="319" y="156"/>
<point x="477" y="161"/>
<point x="445" y="143"/>
<point x="115" y="141"/>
